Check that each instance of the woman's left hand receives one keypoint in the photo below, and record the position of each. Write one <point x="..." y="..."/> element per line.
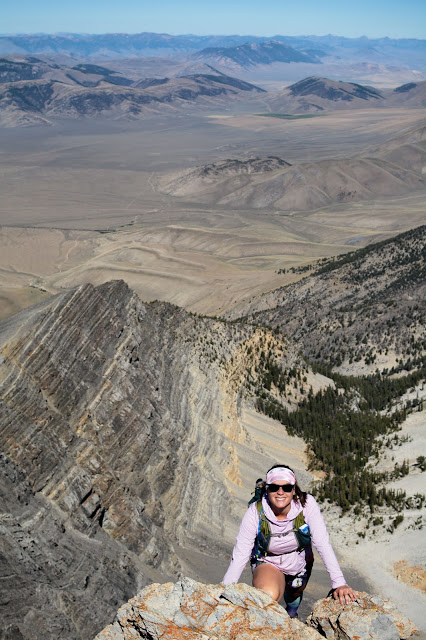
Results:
<point x="345" y="594"/>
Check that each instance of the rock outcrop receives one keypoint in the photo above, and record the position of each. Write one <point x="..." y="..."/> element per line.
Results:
<point x="189" y="610"/>
<point x="368" y="617"/>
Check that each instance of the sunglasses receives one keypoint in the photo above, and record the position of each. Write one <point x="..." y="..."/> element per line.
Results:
<point x="287" y="488"/>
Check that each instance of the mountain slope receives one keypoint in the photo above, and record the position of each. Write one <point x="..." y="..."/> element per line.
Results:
<point x="362" y="311"/>
<point x="332" y="90"/>
<point x="256" y="53"/>
<point x="15" y="69"/>
<point x="316" y="95"/>
<point x="103" y="94"/>
<point x="33" y="90"/>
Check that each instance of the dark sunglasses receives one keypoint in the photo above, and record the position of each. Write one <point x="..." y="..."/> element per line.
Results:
<point x="273" y="488"/>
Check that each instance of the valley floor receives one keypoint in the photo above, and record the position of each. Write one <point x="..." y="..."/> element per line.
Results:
<point x="82" y="204"/>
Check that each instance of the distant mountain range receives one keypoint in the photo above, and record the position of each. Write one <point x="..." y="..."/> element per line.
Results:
<point x="255" y="53"/>
<point x="313" y="95"/>
<point x="33" y="92"/>
<point x="86" y="75"/>
<point x="409" y="52"/>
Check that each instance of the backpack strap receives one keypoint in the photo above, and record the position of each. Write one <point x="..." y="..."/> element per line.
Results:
<point x="299" y="520"/>
<point x="264" y="530"/>
<point x="258" y="491"/>
<point x="301" y="531"/>
<point x="263" y="537"/>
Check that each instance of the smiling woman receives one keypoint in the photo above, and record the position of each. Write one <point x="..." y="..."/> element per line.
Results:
<point x="277" y="532"/>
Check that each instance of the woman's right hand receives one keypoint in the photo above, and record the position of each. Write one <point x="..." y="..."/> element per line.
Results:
<point x="344" y="594"/>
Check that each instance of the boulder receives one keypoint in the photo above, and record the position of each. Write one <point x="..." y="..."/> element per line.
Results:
<point x="368" y="617"/>
<point x="189" y="610"/>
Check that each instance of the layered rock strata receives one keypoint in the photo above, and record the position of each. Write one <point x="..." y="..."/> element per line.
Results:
<point x="117" y="426"/>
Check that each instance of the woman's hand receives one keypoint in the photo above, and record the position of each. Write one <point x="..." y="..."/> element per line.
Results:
<point x="345" y="594"/>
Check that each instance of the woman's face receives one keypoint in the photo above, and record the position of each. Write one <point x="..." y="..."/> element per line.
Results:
<point x="280" y="501"/>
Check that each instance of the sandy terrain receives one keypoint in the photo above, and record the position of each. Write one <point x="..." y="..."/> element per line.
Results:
<point x="80" y="204"/>
<point x="206" y="261"/>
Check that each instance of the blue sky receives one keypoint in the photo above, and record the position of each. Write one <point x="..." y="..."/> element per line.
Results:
<point x="372" y="18"/>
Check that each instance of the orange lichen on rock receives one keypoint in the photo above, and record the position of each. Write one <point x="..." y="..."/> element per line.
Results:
<point x="367" y="617"/>
<point x="189" y="610"/>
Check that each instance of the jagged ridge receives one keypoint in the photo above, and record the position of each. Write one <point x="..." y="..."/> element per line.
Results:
<point x="117" y="421"/>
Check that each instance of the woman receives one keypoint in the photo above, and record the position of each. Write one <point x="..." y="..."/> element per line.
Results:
<point x="285" y="569"/>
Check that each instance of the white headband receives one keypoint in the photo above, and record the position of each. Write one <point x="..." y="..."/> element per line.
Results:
<point x="280" y="473"/>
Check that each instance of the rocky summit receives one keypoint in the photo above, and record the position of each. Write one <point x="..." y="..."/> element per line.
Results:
<point x="189" y="610"/>
<point x="368" y="617"/>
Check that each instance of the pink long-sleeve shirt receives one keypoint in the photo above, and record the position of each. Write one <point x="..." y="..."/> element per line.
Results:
<point x="286" y="557"/>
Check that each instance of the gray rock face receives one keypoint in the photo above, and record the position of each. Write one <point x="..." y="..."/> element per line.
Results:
<point x="52" y="575"/>
<point x="189" y="610"/>
<point x="368" y="617"/>
<point x="116" y="427"/>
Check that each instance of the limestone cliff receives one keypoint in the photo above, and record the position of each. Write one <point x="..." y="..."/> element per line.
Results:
<point x="117" y="426"/>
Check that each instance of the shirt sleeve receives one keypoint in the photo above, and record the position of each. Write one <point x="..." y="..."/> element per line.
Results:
<point x="243" y="545"/>
<point x="321" y="541"/>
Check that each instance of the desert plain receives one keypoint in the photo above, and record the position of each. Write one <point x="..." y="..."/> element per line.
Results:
<point x="84" y="202"/>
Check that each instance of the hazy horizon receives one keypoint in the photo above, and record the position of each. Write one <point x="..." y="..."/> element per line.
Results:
<point x="372" y="19"/>
<point x="206" y="35"/>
